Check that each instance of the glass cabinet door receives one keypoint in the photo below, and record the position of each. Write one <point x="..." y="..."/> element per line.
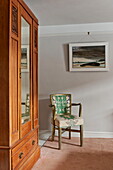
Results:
<point x="25" y="71"/>
<point x="25" y="85"/>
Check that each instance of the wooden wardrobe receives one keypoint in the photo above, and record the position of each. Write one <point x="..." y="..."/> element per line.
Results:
<point x="18" y="86"/>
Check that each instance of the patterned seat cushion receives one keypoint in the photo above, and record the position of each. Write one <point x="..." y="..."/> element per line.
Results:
<point x="66" y="120"/>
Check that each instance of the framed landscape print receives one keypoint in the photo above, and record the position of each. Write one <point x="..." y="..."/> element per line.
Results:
<point x="88" y="56"/>
<point x="25" y="58"/>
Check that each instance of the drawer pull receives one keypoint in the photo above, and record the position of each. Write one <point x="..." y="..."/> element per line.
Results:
<point x="33" y="142"/>
<point x="20" y="155"/>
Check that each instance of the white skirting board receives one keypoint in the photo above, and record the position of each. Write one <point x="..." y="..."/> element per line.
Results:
<point x="90" y="134"/>
<point x="45" y="134"/>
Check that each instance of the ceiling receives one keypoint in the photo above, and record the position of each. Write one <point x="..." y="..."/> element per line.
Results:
<point x="66" y="12"/>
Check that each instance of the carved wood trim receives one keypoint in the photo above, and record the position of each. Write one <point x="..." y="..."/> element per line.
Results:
<point x="14" y="19"/>
<point x="35" y="38"/>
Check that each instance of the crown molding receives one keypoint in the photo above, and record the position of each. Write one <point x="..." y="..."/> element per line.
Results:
<point x="80" y="29"/>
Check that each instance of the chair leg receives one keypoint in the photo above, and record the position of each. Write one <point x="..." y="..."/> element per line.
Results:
<point x="53" y="133"/>
<point x="59" y="137"/>
<point x="69" y="132"/>
<point x="81" y="135"/>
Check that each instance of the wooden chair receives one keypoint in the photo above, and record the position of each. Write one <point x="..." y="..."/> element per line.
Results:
<point x="62" y="119"/>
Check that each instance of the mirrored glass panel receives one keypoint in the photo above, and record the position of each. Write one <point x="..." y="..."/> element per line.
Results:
<point x="25" y="70"/>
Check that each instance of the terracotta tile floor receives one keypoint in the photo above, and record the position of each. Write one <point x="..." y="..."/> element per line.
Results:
<point x="96" y="154"/>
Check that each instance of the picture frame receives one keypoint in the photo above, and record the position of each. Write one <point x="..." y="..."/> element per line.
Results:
<point x="91" y="56"/>
<point x="25" y="58"/>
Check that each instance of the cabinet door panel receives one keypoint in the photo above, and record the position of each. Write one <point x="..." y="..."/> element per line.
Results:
<point x="14" y="91"/>
<point x="25" y="73"/>
<point x="35" y="74"/>
<point x="35" y="90"/>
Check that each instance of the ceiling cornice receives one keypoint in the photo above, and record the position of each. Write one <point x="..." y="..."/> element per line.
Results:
<point x="60" y="30"/>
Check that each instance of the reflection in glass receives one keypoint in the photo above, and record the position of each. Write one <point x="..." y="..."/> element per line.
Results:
<point x="25" y="73"/>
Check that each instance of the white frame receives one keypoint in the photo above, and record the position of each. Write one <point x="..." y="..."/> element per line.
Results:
<point x="26" y="69"/>
<point x="71" y="45"/>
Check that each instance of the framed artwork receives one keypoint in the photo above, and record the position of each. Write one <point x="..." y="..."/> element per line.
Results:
<point x="25" y="58"/>
<point x="88" y="56"/>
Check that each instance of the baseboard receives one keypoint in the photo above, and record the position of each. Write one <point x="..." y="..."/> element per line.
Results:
<point x="90" y="134"/>
<point x="87" y="134"/>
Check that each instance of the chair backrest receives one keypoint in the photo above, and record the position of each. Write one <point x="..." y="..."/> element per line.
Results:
<point x="61" y="103"/>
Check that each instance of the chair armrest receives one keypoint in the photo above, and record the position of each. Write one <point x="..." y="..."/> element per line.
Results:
<point x="23" y="103"/>
<point x="75" y="104"/>
<point x="53" y="110"/>
<point x="80" y="108"/>
<point x="51" y="105"/>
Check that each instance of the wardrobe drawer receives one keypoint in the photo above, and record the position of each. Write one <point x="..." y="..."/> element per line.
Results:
<point x="23" y="151"/>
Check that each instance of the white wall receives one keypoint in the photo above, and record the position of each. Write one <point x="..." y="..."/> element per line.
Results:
<point x="93" y="89"/>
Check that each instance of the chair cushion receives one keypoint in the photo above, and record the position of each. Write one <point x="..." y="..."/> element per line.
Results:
<point x="68" y="120"/>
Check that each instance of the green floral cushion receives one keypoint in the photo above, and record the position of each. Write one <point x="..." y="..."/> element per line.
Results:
<point x="68" y="121"/>
<point x="67" y="116"/>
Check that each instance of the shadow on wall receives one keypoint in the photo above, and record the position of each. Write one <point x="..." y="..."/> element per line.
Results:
<point x="66" y="56"/>
<point x="44" y="114"/>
